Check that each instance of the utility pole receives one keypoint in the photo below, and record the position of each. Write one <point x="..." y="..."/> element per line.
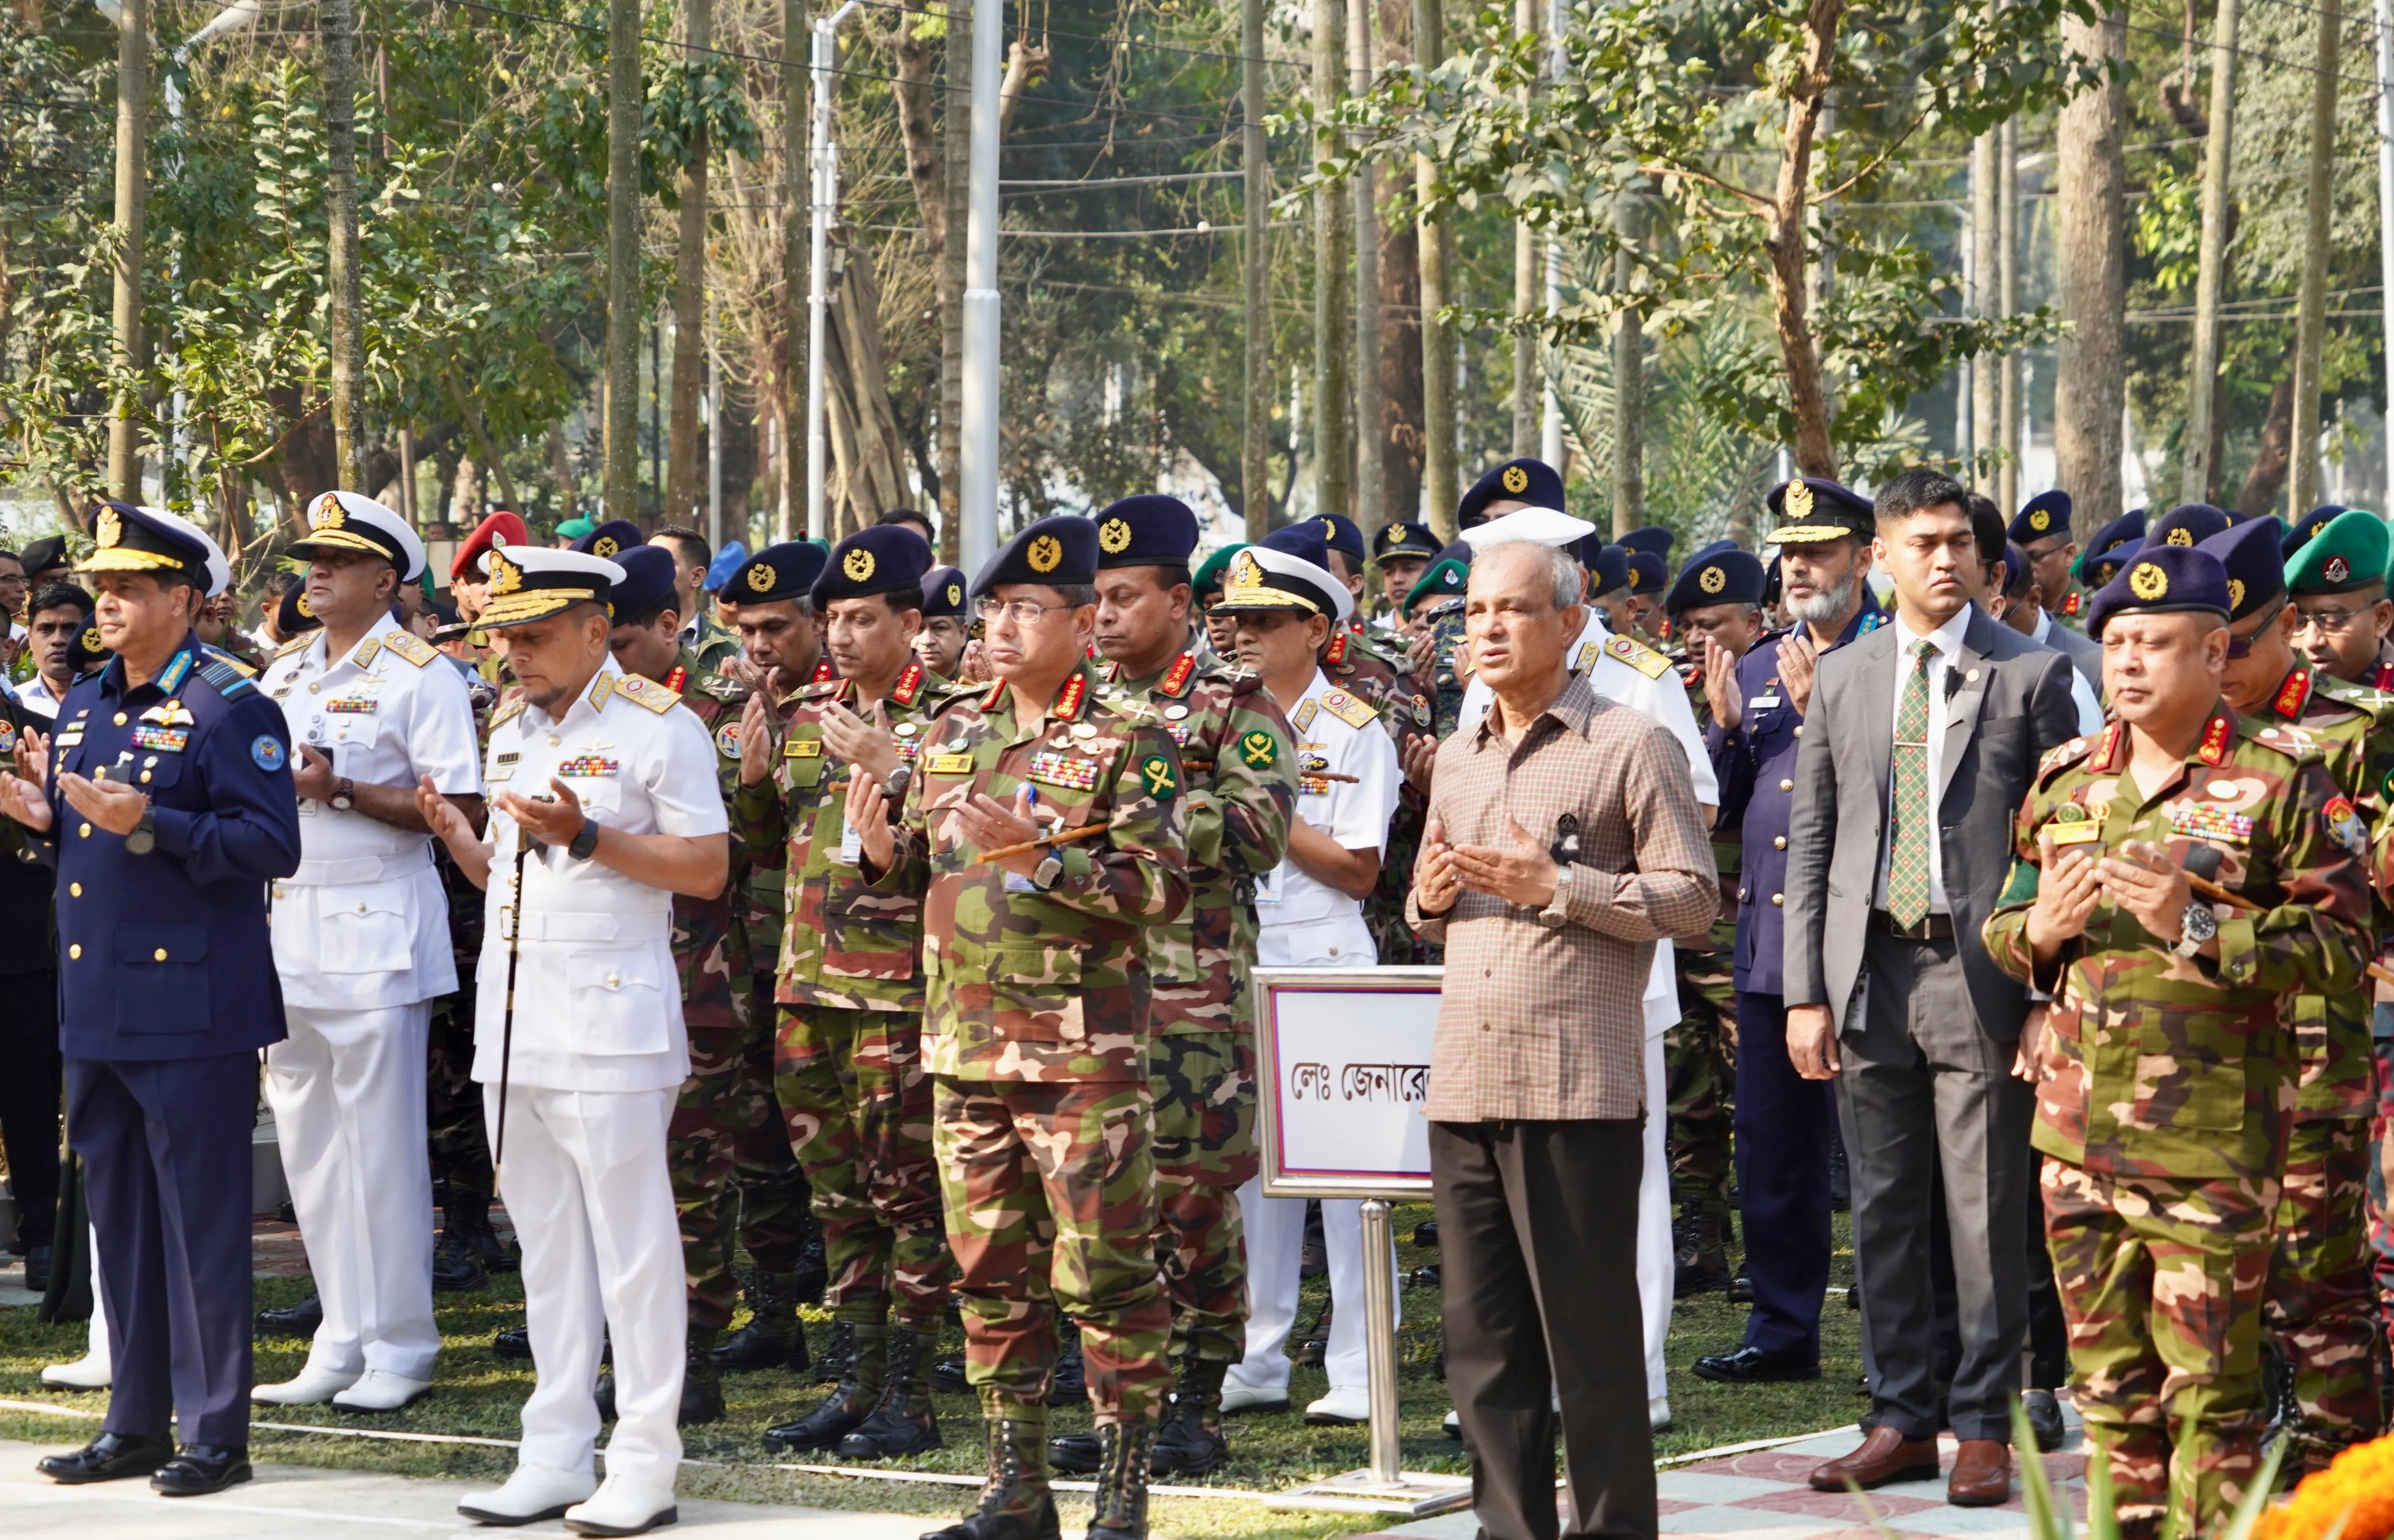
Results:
<point x="793" y="264"/>
<point x="2384" y="19"/>
<point x="714" y="440"/>
<point x="1254" y="449"/>
<point x="621" y="497"/>
<point x="981" y="373"/>
<point x="2202" y="379"/>
<point x="955" y="133"/>
<point x="1529" y="18"/>
<point x="1370" y="509"/>
<point x="688" y="295"/>
<point x="1436" y="245"/>
<point x="826" y="204"/>
<point x="1628" y="373"/>
<point x="1334" y="234"/>
<point x="1985" y="425"/>
<point x="2090" y="219"/>
<point x="336" y="25"/>
<point x="2007" y="241"/>
<point x="2310" y="306"/>
<point x="132" y="199"/>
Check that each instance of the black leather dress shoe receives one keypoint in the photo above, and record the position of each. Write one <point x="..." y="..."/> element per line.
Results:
<point x="1753" y="1366"/>
<point x="2044" y="1419"/>
<point x="38" y="1268"/>
<point x="110" y="1458"/>
<point x="1741" y="1289"/>
<point x="202" y="1469"/>
<point x="301" y="1320"/>
<point x="512" y="1342"/>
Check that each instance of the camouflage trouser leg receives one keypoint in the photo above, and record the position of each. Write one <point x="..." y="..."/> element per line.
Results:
<point x="460" y="1150"/>
<point x="857" y="1109"/>
<point x="2320" y="1305"/>
<point x="1055" y="1181"/>
<point x="1700" y="1059"/>
<point x="2381" y="1227"/>
<point x="772" y="1189"/>
<point x="1205" y="1089"/>
<point x="2161" y="1281"/>
<point x="721" y="1108"/>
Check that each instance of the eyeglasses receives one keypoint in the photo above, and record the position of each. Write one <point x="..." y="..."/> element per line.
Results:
<point x="2331" y="620"/>
<point x="1022" y="612"/>
<point x="2240" y="647"/>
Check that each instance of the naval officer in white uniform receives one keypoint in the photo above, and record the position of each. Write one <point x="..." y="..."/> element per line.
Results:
<point x="360" y="936"/>
<point x="603" y="796"/>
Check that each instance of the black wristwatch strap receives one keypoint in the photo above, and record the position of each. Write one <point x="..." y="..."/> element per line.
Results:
<point x="585" y="843"/>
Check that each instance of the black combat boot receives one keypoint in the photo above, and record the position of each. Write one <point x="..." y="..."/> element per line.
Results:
<point x="774" y="1338"/>
<point x="851" y="1401"/>
<point x="702" y="1383"/>
<point x="903" y="1423"/>
<point x="1700" y="1255"/>
<point x="1121" y="1511"/>
<point x="813" y="1274"/>
<point x="830" y="1364"/>
<point x="1190" y="1442"/>
<point x="457" y="1266"/>
<point x="1069" y="1386"/>
<point x="1015" y="1502"/>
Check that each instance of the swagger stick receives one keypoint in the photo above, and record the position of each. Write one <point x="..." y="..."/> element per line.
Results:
<point x="513" y="916"/>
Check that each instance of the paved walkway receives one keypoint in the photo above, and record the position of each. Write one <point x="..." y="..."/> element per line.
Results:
<point x="300" y="1503"/>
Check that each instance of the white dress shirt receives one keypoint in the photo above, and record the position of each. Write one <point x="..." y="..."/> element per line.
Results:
<point x="1355" y="815"/>
<point x="1947" y="639"/>
<point x="34" y="696"/>
<point x="2090" y="710"/>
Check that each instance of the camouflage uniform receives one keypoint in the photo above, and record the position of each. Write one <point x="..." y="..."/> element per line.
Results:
<point x="1241" y="795"/>
<point x="715" y="644"/>
<point x="2165" y="1091"/>
<point x="2319" y="1305"/>
<point x="1450" y="671"/>
<point x="1701" y="1052"/>
<point x="848" y="1054"/>
<point x="1356" y="663"/>
<point x="1035" y="1027"/>
<point x="724" y="1144"/>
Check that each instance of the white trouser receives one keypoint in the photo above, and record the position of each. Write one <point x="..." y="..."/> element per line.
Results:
<point x="584" y="1182"/>
<point x="347" y="1087"/>
<point x="1655" y="1261"/>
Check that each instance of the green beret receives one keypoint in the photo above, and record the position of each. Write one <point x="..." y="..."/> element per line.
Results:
<point x="2351" y="551"/>
<point x="1207" y="579"/>
<point x="1443" y="579"/>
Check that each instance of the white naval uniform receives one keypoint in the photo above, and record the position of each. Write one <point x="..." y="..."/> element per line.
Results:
<point x="598" y="1056"/>
<point x="1598" y="655"/>
<point x="360" y="935"/>
<point x="1308" y="924"/>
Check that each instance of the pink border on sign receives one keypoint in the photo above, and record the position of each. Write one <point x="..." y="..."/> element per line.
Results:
<point x="1271" y="998"/>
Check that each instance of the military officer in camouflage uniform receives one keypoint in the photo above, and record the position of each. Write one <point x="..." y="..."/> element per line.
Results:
<point x="2105" y="552"/>
<point x="1434" y="607"/>
<point x="849" y="991"/>
<point x="947" y="625"/>
<point x="2164" y="1072"/>
<point x="703" y="637"/>
<point x="1036" y="1020"/>
<point x="725" y="1142"/>
<point x="1236" y="749"/>
<point x="1715" y="607"/>
<point x="1204" y="588"/>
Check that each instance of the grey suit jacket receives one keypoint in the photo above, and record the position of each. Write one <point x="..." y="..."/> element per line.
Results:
<point x="2010" y="703"/>
<point x="2085" y="654"/>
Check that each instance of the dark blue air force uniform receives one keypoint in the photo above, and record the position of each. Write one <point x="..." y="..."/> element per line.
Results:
<point x="168" y="990"/>
<point x="1781" y="1121"/>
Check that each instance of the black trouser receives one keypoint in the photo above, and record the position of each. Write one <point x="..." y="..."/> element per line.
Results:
<point x="31" y="1084"/>
<point x="1540" y="1296"/>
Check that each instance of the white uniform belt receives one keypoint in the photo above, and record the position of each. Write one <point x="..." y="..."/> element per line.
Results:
<point x="618" y="928"/>
<point x="357" y="871"/>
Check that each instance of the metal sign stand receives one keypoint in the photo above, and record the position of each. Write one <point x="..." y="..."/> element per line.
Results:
<point x="1382" y="1486"/>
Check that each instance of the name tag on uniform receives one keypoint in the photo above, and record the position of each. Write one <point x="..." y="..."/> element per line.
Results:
<point x="802" y="748"/>
<point x="2075" y="833"/>
<point x="951" y="764"/>
<point x="503" y="766"/>
<point x="588" y="764"/>
<point x="1761" y="703"/>
<point x="165" y="740"/>
<point x="1067" y="770"/>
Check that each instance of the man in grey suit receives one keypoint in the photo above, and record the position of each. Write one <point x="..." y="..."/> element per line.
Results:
<point x="1924" y="738"/>
<point x="2024" y="611"/>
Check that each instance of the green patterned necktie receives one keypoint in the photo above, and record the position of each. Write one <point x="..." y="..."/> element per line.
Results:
<point x="1907" y="867"/>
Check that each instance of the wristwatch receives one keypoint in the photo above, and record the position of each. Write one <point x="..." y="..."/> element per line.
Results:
<point x="1556" y="912"/>
<point x="345" y="794"/>
<point x="142" y="837"/>
<point x="2196" y="927"/>
<point x="1048" y="873"/>
<point x="585" y="843"/>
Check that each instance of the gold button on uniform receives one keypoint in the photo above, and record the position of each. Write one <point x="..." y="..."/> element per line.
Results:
<point x="1780" y="900"/>
<point x="1799" y="733"/>
<point x="1786" y="785"/>
<point x="159" y="955"/>
<point x="74" y="889"/>
<point x="84" y="833"/>
<point x="74" y="952"/>
<point x="119" y="719"/>
<point x="1779" y="842"/>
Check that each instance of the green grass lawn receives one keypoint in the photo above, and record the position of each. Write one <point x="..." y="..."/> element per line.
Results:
<point x="479" y="1395"/>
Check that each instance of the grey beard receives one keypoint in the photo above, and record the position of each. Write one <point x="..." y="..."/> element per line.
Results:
<point x="1828" y="605"/>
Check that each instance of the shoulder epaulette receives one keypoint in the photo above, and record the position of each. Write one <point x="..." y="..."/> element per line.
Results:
<point x="294" y="645"/>
<point x="217" y="655"/>
<point x="2360" y="697"/>
<point x="909" y="685"/>
<point x="408" y="645"/>
<point x="2292" y="742"/>
<point x="647" y="694"/>
<point x="227" y="677"/>
<point x="822" y="689"/>
<point x="508" y="710"/>
<point x="2062" y="756"/>
<point x="723" y="687"/>
<point x="1637" y="655"/>
<point x="1176" y="679"/>
<point x="1351" y="709"/>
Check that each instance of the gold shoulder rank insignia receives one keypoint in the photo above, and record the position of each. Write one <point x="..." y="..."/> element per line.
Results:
<point x="1639" y="656"/>
<point x="367" y="651"/>
<point x="296" y="644"/>
<point x="600" y="688"/>
<point x="1353" y="710"/>
<point x="408" y="645"/>
<point x="1304" y="714"/>
<point x="647" y="694"/>
<point x="509" y="711"/>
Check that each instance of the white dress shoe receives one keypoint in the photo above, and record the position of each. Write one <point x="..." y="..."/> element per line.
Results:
<point x="1452" y="1425"/>
<point x="623" y="1507"/>
<point x="1345" y="1406"/>
<point x="380" y="1391"/>
<point x="1238" y="1399"/>
<point x="91" y="1372"/>
<point x="1658" y="1414"/>
<point x="313" y="1387"/>
<point x="534" y="1493"/>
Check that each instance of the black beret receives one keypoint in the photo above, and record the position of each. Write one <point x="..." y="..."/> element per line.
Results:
<point x="1649" y="537"/>
<point x="1606" y="570"/>
<point x="1054" y="553"/>
<point x="2256" y="566"/>
<point x="88" y="651"/>
<point x="1811" y="510"/>
<point x="2307" y="525"/>
<point x="648" y="586"/>
<point x="2046" y="513"/>
<point x="786" y="570"/>
<point x="1150" y="530"/>
<point x="2187" y="524"/>
<point x="1647" y="572"/>
<point x="50" y="551"/>
<point x="1342" y="535"/>
<point x="2113" y="544"/>
<point x="1717" y="574"/>
<point x="1522" y="480"/>
<point x="292" y="615"/>
<point x="887" y="559"/>
<point x="1396" y="538"/>
<point x="2160" y="580"/>
<point x="943" y="595"/>
<point x="1770" y="581"/>
<point x="611" y="539"/>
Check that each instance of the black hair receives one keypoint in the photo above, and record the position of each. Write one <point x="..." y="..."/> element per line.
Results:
<point x="1986" y="526"/>
<point x="61" y="596"/>
<point x="910" y="515"/>
<point x="1918" y="489"/>
<point x="689" y="540"/>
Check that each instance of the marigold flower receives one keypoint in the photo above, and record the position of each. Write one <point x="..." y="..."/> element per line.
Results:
<point x="2357" y="1488"/>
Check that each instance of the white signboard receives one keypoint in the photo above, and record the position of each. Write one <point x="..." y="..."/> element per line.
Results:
<point x="1343" y="1071"/>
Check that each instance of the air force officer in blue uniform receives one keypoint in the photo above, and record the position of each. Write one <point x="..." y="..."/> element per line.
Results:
<point x="165" y="800"/>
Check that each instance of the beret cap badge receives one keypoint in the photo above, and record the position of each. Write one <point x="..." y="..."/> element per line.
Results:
<point x="1516" y="479"/>
<point x="2040" y="520"/>
<point x="1797" y="504"/>
<point x="2148" y="581"/>
<point x="856" y="564"/>
<point x="1046" y="554"/>
<point x="605" y="546"/>
<point x="109" y="529"/>
<point x="956" y="593"/>
<point x="760" y="578"/>
<point x="2236" y="593"/>
<point x="2338" y="569"/>
<point x="1114" y="535"/>
<point x="1712" y="579"/>
<point x="2181" y="535"/>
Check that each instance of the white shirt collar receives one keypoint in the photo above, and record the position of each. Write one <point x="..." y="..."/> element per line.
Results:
<point x="581" y="707"/>
<point x="2043" y="627"/>
<point x="1947" y="637"/>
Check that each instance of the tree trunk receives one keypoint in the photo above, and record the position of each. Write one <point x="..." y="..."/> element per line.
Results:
<point x="958" y="148"/>
<point x="472" y="417"/>
<point x="786" y="404"/>
<point x="1434" y="249"/>
<point x="338" y="25"/>
<point x="2007" y="242"/>
<point x="622" y="499"/>
<point x="1629" y="376"/>
<point x="1334" y="224"/>
<point x="1370" y="509"/>
<point x="2200" y="452"/>
<point x="685" y="466"/>
<point x="1808" y="396"/>
<point x="1255" y="444"/>
<point x="1986" y="431"/>
<point x="2267" y="478"/>
<point x="2090" y="207"/>
<point x="1401" y="437"/>
<point x="132" y="199"/>
<point x="2310" y="325"/>
<point x="1529" y="277"/>
<point x="919" y="128"/>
